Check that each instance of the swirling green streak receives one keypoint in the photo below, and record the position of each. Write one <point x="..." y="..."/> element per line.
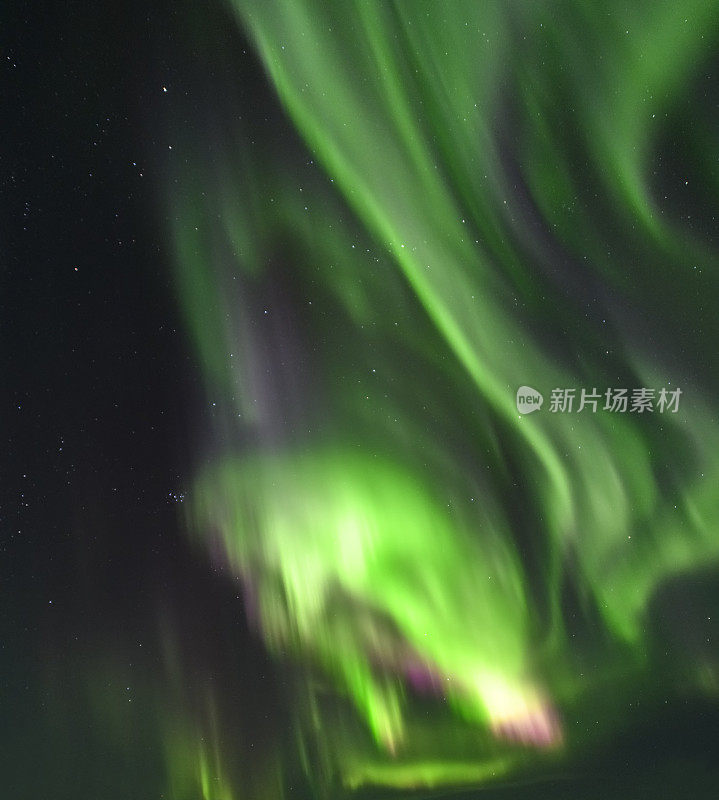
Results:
<point x="605" y="483"/>
<point x="448" y="287"/>
<point x="622" y="92"/>
<point x="492" y="348"/>
<point x="460" y="324"/>
<point x="445" y="295"/>
<point x="477" y="185"/>
<point x="337" y="526"/>
<point x="463" y="325"/>
<point x="595" y="480"/>
<point x="643" y="69"/>
<point x="428" y="774"/>
<point x="678" y="536"/>
<point x="199" y="286"/>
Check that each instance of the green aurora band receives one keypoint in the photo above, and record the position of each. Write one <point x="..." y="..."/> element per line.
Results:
<point x="483" y="200"/>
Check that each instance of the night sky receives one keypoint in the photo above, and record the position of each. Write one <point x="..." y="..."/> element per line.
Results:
<point x="272" y="523"/>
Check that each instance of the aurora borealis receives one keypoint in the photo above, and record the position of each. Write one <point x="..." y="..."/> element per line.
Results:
<point x="373" y="576"/>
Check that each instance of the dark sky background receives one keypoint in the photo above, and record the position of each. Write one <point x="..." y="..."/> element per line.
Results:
<point x="101" y="401"/>
<point x="91" y="340"/>
<point x="99" y="398"/>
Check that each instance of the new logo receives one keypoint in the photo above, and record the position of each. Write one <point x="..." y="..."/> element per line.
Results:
<point x="528" y="400"/>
